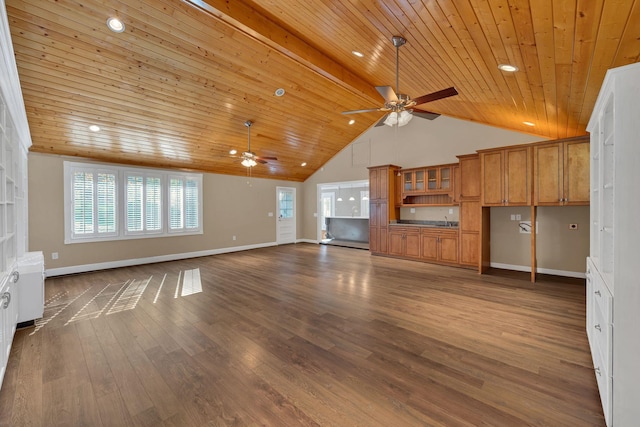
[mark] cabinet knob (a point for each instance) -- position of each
(15, 276)
(598, 293)
(598, 327)
(7, 299)
(597, 369)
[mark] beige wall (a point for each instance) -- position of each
(558, 247)
(231, 206)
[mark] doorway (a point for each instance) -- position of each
(286, 208)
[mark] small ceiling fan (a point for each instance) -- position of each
(249, 158)
(400, 107)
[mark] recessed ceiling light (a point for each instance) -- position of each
(508, 67)
(232, 152)
(352, 121)
(358, 54)
(115, 25)
(94, 128)
(303, 164)
(279, 92)
(529, 123)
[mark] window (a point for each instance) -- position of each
(94, 203)
(144, 204)
(183, 204)
(123, 203)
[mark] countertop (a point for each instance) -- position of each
(447, 225)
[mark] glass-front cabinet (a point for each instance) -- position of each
(413, 181)
(428, 180)
(439, 178)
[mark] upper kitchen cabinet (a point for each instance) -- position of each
(561, 172)
(413, 181)
(469, 184)
(506, 176)
(440, 179)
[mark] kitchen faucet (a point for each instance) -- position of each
(446, 221)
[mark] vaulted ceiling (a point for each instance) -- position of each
(175, 88)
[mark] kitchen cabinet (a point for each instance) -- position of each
(456, 184)
(439, 245)
(413, 181)
(382, 206)
(378, 220)
(561, 172)
(470, 210)
(440, 179)
(612, 274)
(470, 224)
(404, 241)
(506, 176)
(469, 176)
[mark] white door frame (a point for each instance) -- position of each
(285, 227)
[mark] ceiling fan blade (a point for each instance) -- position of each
(366, 110)
(387, 93)
(381, 121)
(260, 161)
(268, 158)
(425, 114)
(444, 93)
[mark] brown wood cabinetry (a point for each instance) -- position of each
(413, 181)
(506, 176)
(428, 186)
(470, 210)
(382, 206)
(469, 176)
(439, 245)
(561, 172)
(440, 179)
(404, 241)
(456, 184)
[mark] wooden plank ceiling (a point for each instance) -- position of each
(174, 89)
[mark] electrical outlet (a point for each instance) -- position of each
(234, 237)
(315, 214)
(518, 217)
(412, 210)
(573, 226)
(54, 255)
(271, 214)
(450, 211)
(513, 217)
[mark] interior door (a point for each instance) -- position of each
(286, 224)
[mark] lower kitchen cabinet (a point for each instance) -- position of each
(439, 245)
(404, 241)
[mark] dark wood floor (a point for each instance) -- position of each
(303, 335)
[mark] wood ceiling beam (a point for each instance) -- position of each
(249, 21)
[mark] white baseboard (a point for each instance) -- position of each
(51, 272)
(307, 241)
(564, 273)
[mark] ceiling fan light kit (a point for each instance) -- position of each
(400, 108)
(400, 119)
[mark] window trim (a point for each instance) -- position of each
(122, 173)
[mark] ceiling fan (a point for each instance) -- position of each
(400, 107)
(249, 158)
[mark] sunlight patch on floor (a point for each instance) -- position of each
(191, 283)
(128, 299)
